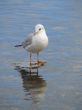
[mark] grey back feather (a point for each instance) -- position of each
(28, 41)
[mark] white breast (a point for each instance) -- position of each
(39, 42)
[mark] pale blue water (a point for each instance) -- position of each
(59, 84)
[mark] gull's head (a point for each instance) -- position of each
(39, 28)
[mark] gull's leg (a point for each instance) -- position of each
(30, 58)
(37, 62)
(37, 59)
(30, 61)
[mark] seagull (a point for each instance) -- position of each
(35, 42)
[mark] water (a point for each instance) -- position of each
(59, 84)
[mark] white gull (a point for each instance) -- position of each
(36, 41)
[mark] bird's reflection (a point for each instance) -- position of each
(34, 85)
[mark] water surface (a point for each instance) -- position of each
(59, 84)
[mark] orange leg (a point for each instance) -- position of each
(39, 63)
(38, 59)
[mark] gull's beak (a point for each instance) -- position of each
(36, 32)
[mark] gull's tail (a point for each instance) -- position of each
(18, 45)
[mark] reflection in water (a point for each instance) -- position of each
(34, 85)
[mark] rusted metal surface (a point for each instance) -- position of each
(30, 69)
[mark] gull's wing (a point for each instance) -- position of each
(28, 41)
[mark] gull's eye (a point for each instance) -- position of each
(39, 29)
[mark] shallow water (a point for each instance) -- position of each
(59, 84)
